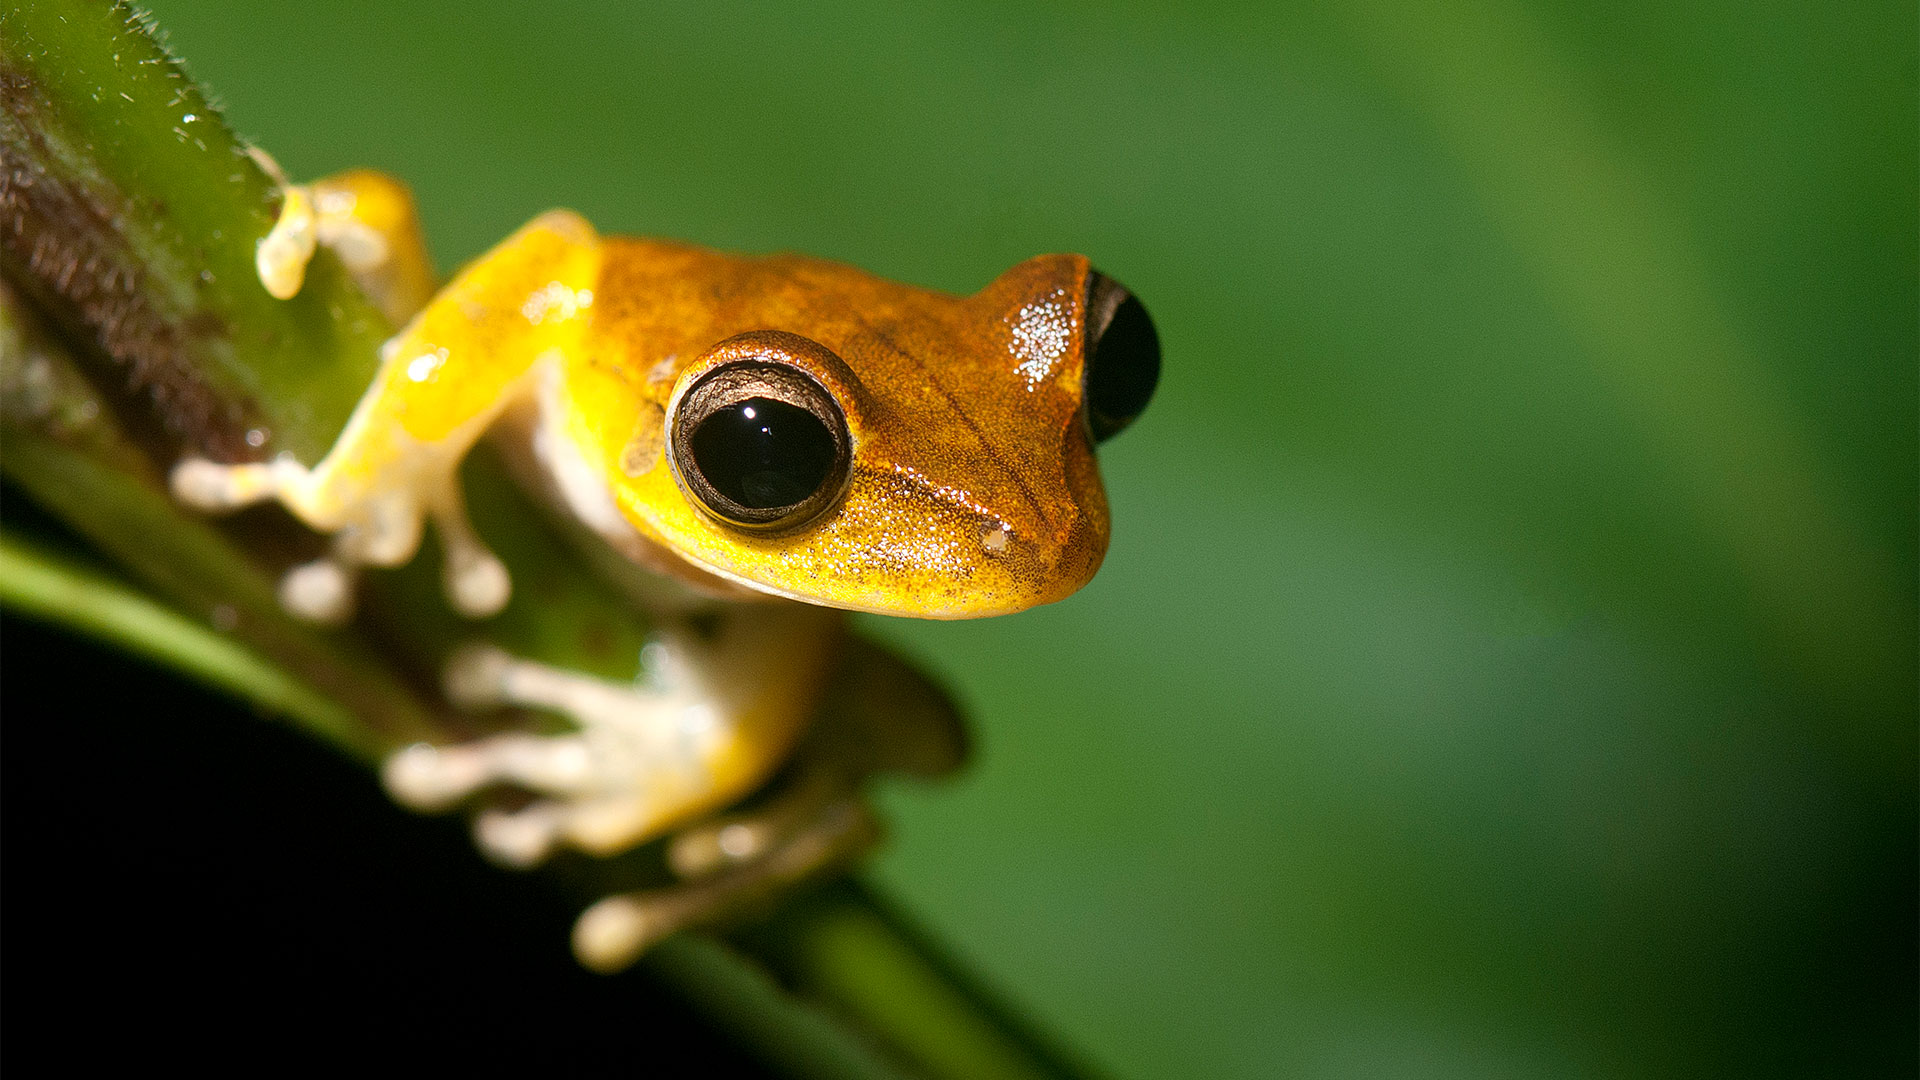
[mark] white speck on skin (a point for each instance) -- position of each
(336, 201)
(555, 301)
(1042, 332)
(943, 492)
(426, 365)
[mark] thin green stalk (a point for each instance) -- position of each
(850, 950)
(55, 588)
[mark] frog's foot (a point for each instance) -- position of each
(380, 529)
(613, 933)
(367, 219)
(643, 757)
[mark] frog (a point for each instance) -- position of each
(765, 444)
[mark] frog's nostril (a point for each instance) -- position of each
(1123, 357)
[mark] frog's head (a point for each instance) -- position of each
(863, 444)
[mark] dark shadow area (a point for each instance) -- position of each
(189, 883)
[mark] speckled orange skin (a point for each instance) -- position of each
(951, 443)
(973, 488)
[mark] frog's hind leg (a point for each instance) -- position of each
(881, 716)
(712, 847)
(604, 786)
(713, 715)
(614, 932)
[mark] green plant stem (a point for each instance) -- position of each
(54, 588)
(845, 947)
(62, 443)
(134, 212)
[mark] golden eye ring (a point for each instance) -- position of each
(760, 445)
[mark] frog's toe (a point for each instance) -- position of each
(203, 484)
(208, 485)
(430, 778)
(475, 579)
(612, 824)
(477, 583)
(714, 846)
(320, 591)
(611, 935)
(722, 843)
(526, 837)
(475, 675)
(520, 839)
(282, 257)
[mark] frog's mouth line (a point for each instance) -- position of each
(988, 609)
(816, 600)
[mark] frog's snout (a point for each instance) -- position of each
(1057, 315)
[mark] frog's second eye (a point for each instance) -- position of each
(761, 445)
(1123, 357)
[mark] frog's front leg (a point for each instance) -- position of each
(471, 354)
(713, 715)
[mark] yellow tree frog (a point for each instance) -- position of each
(786, 438)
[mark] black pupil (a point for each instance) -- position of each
(1123, 370)
(763, 453)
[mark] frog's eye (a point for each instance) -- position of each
(1123, 357)
(760, 444)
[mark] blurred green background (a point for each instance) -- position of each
(1505, 662)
